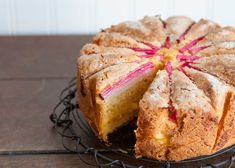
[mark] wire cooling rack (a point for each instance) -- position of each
(71, 126)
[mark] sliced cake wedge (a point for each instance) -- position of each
(218, 35)
(221, 66)
(150, 29)
(95, 49)
(114, 94)
(226, 132)
(117, 40)
(196, 33)
(219, 48)
(214, 88)
(195, 117)
(222, 97)
(177, 26)
(154, 127)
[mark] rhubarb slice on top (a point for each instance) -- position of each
(154, 127)
(221, 66)
(197, 32)
(218, 35)
(90, 64)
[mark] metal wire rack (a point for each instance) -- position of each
(71, 126)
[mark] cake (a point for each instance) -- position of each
(176, 76)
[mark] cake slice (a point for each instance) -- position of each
(195, 118)
(90, 64)
(219, 48)
(149, 29)
(218, 35)
(213, 88)
(157, 34)
(154, 127)
(176, 119)
(222, 97)
(221, 66)
(117, 40)
(177, 26)
(226, 132)
(200, 29)
(196, 33)
(114, 94)
(95, 49)
(96, 57)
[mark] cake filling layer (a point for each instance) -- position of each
(121, 104)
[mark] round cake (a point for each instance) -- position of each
(176, 76)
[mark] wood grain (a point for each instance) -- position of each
(42, 161)
(25, 109)
(39, 57)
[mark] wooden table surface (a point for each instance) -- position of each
(33, 71)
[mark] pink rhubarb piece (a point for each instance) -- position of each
(187, 58)
(190, 45)
(169, 68)
(182, 37)
(149, 52)
(147, 55)
(196, 50)
(173, 112)
(127, 78)
(167, 42)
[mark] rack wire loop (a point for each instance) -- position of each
(70, 125)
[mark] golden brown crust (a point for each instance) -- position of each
(203, 96)
(157, 34)
(216, 36)
(196, 120)
(226, 132)
(148, 29)
(222, 66)
(86, 101)
(199, 29)
(152, 137)
(117, 40)
(219, 48)
(213, 88)
(89, 49)
(177, 25)
(196, 137)
(90, 64)
(91, 104)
